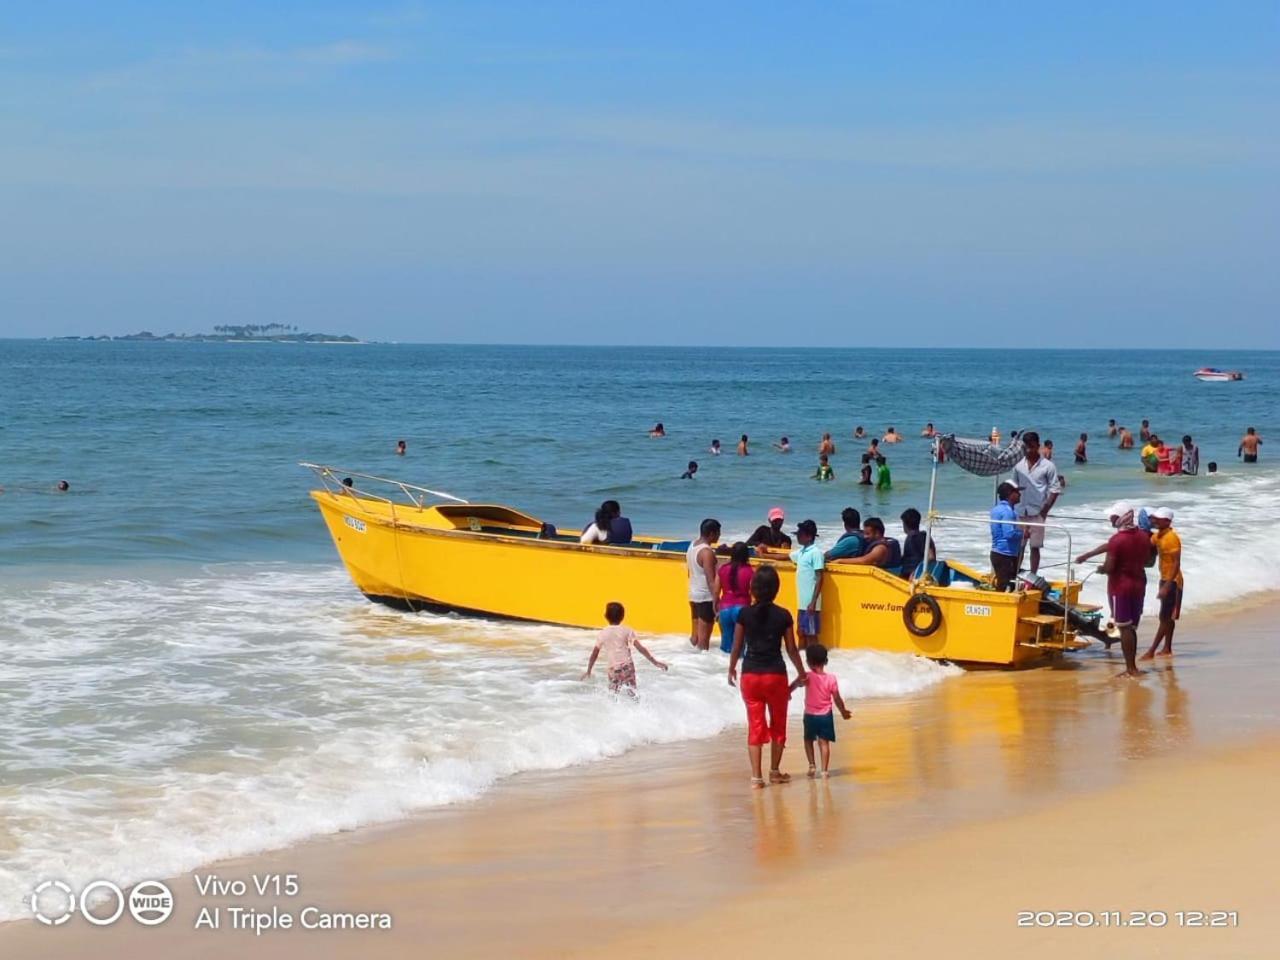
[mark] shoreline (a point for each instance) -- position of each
(675, 833)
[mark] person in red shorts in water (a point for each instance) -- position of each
(1128, 553)
(758, 638)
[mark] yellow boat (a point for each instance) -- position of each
(428, 551)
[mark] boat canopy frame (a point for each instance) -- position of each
(921, 584)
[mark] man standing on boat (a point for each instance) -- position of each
(701, 561)
(1006, 537)
(1037, 481)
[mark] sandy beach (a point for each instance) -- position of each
(1054, 789)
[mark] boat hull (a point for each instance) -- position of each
(428, 559)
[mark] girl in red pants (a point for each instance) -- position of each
(758, 638)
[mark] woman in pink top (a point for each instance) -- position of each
(734, 591)
(819, 723)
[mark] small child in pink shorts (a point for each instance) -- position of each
(617, 641)
(820, 690)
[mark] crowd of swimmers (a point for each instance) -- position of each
(1182, 458)
(874, 465)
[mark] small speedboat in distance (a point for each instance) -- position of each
(1213, 374)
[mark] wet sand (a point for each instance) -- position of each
(949, 811)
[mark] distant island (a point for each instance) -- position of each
(248, 333)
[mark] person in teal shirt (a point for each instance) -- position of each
(851, 543)
(809, 563)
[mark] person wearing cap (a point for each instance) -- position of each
(1169, 549)
(1128, 552)
(1006, 536)
(771, 535)
(1039, 486)
(809, 563)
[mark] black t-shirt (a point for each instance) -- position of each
(763, 628)
(765, 535)
(620, 530)
(912, 552)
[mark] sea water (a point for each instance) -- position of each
(189, 674)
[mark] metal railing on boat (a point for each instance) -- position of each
(933, 517)
(416, 496)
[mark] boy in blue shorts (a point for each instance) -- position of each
(809, 564)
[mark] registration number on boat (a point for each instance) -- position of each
(976, 610)
(354, 524)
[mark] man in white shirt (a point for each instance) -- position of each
(1039, 487)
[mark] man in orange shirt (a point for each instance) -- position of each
(1168, 547)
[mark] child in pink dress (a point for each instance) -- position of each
(617, 642)
(820, 690)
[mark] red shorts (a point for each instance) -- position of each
(761, 692)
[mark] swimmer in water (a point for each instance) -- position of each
(783, 445)
(401, 446)
(928, 431)
(1082, 455)
(348, 482)
(864, 479)
(1112, 429)
(1249, 445)
(742, 447)
(63, 486)
(824, 472)
(1126, 439)
(658, 430)
(827, 447)
(1213, 468)
(883, 479)
(859, 433)
(715, 448)
(892, 436)
(691, 471)
(1046, 449)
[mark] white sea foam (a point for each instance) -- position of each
(151, 726)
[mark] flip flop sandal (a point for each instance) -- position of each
(777, 776)
(757, 783)
(813, 771)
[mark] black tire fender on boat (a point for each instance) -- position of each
(909, 609)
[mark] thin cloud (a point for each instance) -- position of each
(199, 64)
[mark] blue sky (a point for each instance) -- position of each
(716, 173)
